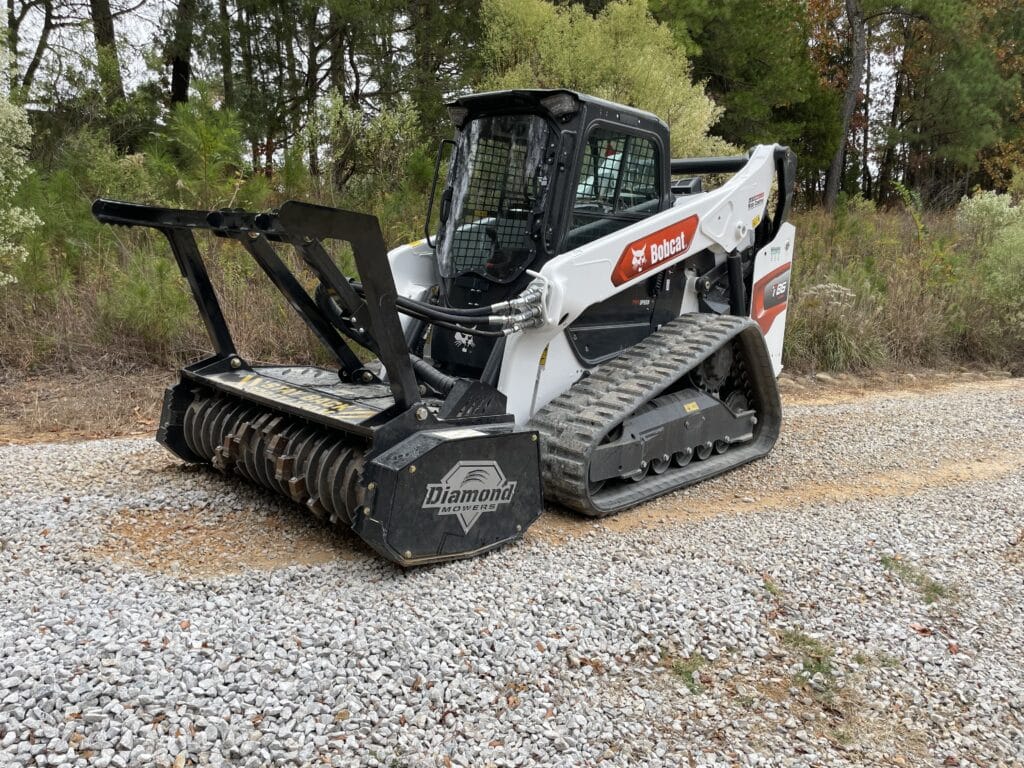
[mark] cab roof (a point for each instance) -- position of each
(556, 102)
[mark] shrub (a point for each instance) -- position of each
(834, 329)
(370, 154)
(146, 309)
(995, 315)
(981, 216)
(198, 157)
(16, 221)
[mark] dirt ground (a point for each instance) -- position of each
(81, 406)
(97, 404)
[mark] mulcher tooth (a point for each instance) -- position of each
(297, 489)
(316, 508)
(229, 448)
(283, 467)
(220, 461)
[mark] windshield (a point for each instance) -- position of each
(498, 187)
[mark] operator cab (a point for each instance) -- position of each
(532, 174)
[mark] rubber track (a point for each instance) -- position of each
(575, 422)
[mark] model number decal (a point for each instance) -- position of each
(643, 255)
(771, 297)
(777, 291)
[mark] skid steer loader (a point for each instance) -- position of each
(580, 327)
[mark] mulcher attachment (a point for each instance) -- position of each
(360, 447)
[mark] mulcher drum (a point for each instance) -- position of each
(435, 494)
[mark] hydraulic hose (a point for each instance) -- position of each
(441, 382)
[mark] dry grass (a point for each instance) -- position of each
(84, 405)
(132, 310)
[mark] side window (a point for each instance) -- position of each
(618, 185)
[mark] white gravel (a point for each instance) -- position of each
(798, 636)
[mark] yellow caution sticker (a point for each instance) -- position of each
(544, 357)
(301, 398)
(691, 406)
(756, 220)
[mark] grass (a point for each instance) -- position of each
(814, 655)
(872, 289)
(686, 669)
(772, 587)
(880, 659)
(931, 589)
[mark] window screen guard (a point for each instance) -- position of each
(499, 184)
(617, 185)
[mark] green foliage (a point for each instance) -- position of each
(1016, 188)
(371, 154)
(145, 306)
(622, 54)
(197, 158)
(996, 320)
(960, 112)
(984, 215)
(16, 221)
(912, 203)
(379, 165)
(754, 57)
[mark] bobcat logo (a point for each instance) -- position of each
(639, 257)
(464, 341)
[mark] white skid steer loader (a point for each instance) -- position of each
(581, 327)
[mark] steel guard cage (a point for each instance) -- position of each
(304, 227)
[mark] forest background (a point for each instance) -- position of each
(907, 117)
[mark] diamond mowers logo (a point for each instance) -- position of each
(468, 490)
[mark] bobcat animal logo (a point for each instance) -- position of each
(464, 341)
(639, 257)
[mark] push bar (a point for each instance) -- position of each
(302, 226)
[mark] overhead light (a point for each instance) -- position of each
(560, 104)
(458, 115)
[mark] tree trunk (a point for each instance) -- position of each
(887, 167)
(181, 50)
(858, 51)
(41, 46)
(337, 33)
(249, 82)
(425, 91)
(106, 46)
(12, 45)
(224, 51)
(311, 85)
(865, 166)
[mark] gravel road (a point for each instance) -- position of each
(857, 598)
